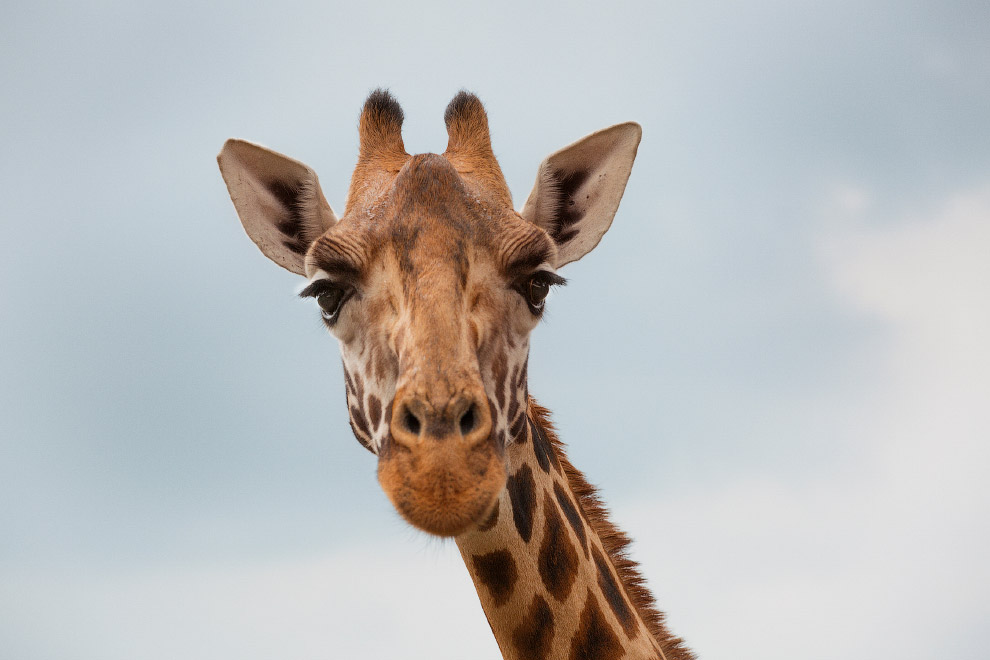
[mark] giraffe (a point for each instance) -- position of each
(432, 284)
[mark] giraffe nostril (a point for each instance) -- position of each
(468, 420)
(411, 422)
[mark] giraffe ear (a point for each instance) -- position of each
(278, 200)
(578, 189)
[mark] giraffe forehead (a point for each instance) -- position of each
(433, 221)
(435, 215)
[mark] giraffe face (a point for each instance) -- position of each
(432, 297)
(432, 284)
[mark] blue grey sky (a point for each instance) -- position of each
(775, 363)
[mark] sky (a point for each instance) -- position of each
(774, 365)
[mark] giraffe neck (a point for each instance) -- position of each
(551, 571)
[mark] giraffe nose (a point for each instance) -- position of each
(464, 417)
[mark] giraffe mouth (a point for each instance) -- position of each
(444, 488)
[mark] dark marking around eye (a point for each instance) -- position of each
(337, 267)
(521, 488)
(534, 636)
(558, 561)
(532, 257)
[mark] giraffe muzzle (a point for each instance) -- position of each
(443, 470)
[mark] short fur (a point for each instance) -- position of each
(615, 541)
(428, 281)
(469, 146)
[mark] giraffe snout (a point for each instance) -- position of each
(464, 417)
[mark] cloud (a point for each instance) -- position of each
(365, 602)
(883, 556)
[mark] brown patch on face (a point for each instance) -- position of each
(614, 595)
(388, 415)
(534, 636)
(363, 439)
(572, 515)
(558, 561)
(521, 381)
(375, 411)
(497, 571)
(492, 410)
(358, 387)
(594, 639)
(513, 408)
(349, 382)
(360, 422)
(499, 367)
(522, 493)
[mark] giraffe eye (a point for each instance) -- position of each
(330, 303)
(329, 296)
(536, 288)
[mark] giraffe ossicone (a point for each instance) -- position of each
(432, 283)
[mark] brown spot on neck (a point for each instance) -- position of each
(571, 513)
(497, 571)
(594, 639)
(615, 596)
(522, 493)
(533, 637)
(558, 561)
(614, 542)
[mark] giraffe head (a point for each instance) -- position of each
(432, 283)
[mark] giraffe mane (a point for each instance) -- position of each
(615, 542)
